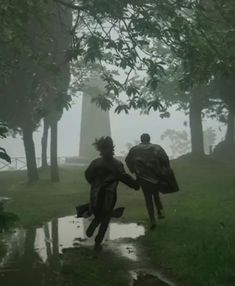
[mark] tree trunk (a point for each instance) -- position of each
(30, 154)
(47, 240)
(195, 117)
(229, 138)
(54, 163)
(44, 143)
(55, 237)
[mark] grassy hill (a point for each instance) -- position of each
(195, 242)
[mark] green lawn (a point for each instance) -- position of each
(195, 243)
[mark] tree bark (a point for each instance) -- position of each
(195, 117)
(30, 154)
(229, 138)
(54, 163)
(44, 143)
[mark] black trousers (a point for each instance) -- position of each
(103, 223)
(151, 195)
(102, 218)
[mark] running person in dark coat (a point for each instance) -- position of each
(104, 174)
(148, 161)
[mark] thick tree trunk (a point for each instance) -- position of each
(54, 163)
(30, 154)
(195, 117)
(229, 138)
(44, 143)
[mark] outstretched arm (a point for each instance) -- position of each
(127, 179)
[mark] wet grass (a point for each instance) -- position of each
(81, 267)
(37, 203)
(195, 243)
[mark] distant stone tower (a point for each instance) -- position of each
(95, 122)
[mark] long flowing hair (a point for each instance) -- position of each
(104, 145)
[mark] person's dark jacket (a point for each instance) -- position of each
(104, 176)
(150, 163)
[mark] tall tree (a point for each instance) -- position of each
(40, 44)
(55, 86)
(21, 62)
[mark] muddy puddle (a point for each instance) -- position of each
(38, 256)
(69, 232)
(28, 253)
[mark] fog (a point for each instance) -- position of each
(125, 128)
(117, 142)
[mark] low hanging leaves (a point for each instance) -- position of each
(121, 108)
(155, 105)
(3, 153)
(4, 156)
(103, 102)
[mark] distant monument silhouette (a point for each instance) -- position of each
(95, 122)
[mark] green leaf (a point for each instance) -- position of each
(132, 90)
(121, 108)
(103, 102)
(4, 155)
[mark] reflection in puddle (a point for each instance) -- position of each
(71, 233)
(13, 243)
(39, 256)
(35, 256)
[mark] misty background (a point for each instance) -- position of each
(125, 128)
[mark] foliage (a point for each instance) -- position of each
(3, 153)
(37, 75)
(35, 45)
(121, 34)
(206, 50)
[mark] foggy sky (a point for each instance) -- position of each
(124, 128)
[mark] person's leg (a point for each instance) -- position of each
(158, 204)
(92, 227)
(147, 191)
(102, 230)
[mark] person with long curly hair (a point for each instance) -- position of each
(104, 174)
